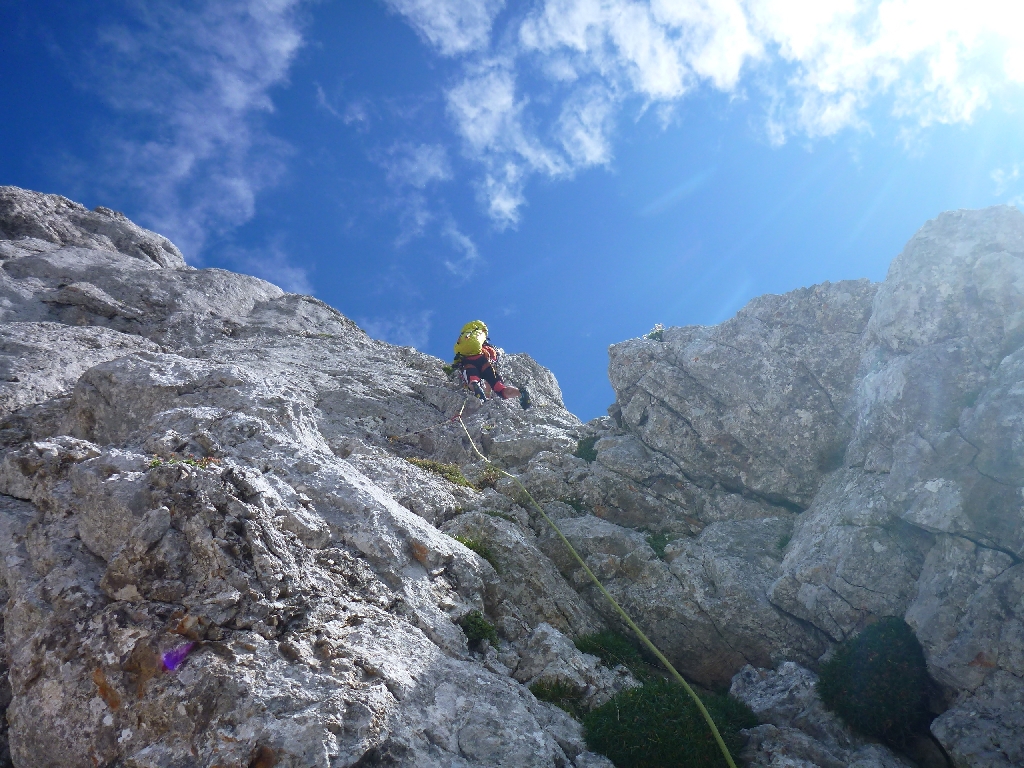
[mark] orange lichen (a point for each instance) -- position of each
(105, 690)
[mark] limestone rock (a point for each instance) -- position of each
(548, 656)
(756, 404)
(176, 477)
(986, 729)
(887, 416)
(55, 219)
(525, 590)
(195, 462)
(798, 732)
(848, 559)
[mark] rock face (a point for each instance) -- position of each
(887, 421)
(196, 462)
(214, 551)
(797, 729)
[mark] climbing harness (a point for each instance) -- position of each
(597, 582)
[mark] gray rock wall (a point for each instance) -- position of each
(890, 418)
(195, 461)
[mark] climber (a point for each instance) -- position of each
(475, 357)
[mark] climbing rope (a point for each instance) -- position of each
(597, 582)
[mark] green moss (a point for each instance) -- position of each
(783, 541)
(659, 726)
(658, 542)
(448, 370)
(657, 333)
(877, 682)
(614, 649)
(481, 548)
(478, 628)
(562, 694)
(585, 449)
(449, 472)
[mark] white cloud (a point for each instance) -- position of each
(273, 265)
(324, 103)
(488, 115)
(1005, 179)
(402, 329)
(936, 61)
(819, 66)
(584, 127)
(410, 169)
(196, 78)
(416, 165)
(413, 218)
(467, 261)
(452, 26)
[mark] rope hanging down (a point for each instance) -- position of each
(597, 582)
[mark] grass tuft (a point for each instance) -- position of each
(658, 542)
(478, 628)
(659, 726)
(614, 649)
(204, 462)
(877, 682)
(576, 503)
(481, 548)
(449, 472)
(585, 449)
(489, 477)
(562, 694)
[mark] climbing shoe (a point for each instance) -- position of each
(478, 391)
(524, 398)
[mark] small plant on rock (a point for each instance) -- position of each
(657, 333)
(576, 503)
(489, 477)
(585, 449)
(449, 472)
(478, 628)
(877, 682)
(562, 694)
(658, 542)
(481, 548)
(204, 462)
(659, 726)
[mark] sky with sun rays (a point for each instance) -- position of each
(570, 171)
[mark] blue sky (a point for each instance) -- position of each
(570, 171)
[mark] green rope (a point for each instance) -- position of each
(625, 616)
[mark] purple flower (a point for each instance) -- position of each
(174, 657)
